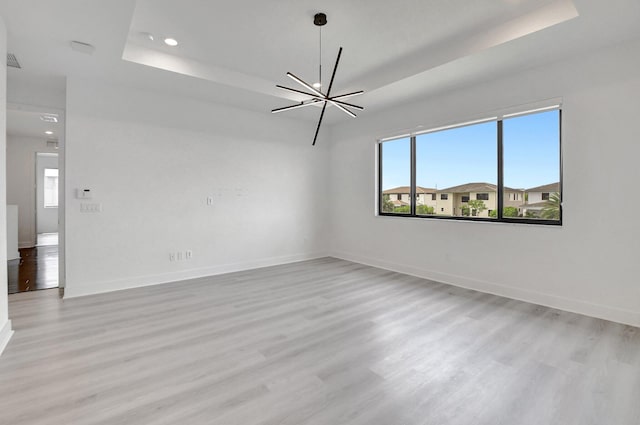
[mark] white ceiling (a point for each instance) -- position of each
(234, 52)
(28, 123)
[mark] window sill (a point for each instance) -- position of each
(546, 223)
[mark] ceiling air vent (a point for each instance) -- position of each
(12, 61)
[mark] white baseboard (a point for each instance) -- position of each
(5, 335)
(614, 314)
(73, 290)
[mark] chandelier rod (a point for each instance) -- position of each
(320, 61)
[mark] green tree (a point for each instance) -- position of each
(551, 211)
(405, 209)
(387, 205)
(506, 212)
(476, 206)
(425, 210)
(510, 212)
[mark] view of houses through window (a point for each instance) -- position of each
(456, 170)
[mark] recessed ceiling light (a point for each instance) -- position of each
(48, 132)
(171, 42)
(317, 85)
(147, 35)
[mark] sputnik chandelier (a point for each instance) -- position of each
(315, 93)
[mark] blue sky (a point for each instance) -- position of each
(468, 154)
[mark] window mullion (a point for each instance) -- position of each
(500, 189)
(380, 194)
(413, 191)
(561, 194)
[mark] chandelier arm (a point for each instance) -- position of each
(304, 84)
(297, 105)
(324, 107)
(343, 109)
(323, 98)
(344, 96)
(333, 75)
(302, 92)
(351, 105)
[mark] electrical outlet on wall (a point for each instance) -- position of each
(172, 256)
(188, 254)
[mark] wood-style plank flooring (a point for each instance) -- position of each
(322, 342)
(37, 268)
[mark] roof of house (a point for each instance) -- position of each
(551, 187)
(407, 190)
(398, 203)
(471, 187)
(476, 187)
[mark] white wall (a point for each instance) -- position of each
(44, 93)
(5, 323)
(591, 262)
(21, 179)
(46, 218)
(152, 160)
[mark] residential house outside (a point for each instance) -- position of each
(538, 197)
(401, 196)
(454, 201)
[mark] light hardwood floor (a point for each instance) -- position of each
(318, 342)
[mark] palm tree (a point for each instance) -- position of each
(552, 210)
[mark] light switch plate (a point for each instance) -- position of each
(90, 208)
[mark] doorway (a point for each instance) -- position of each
(46, 198)
(35, 195)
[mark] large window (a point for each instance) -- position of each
(50, 187)
(451, 161)
(505, 169)
(396, 177)
(531, 159)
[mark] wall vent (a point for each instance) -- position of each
(12, 61)
(52, 144)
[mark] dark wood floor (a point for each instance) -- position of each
(37, 268)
